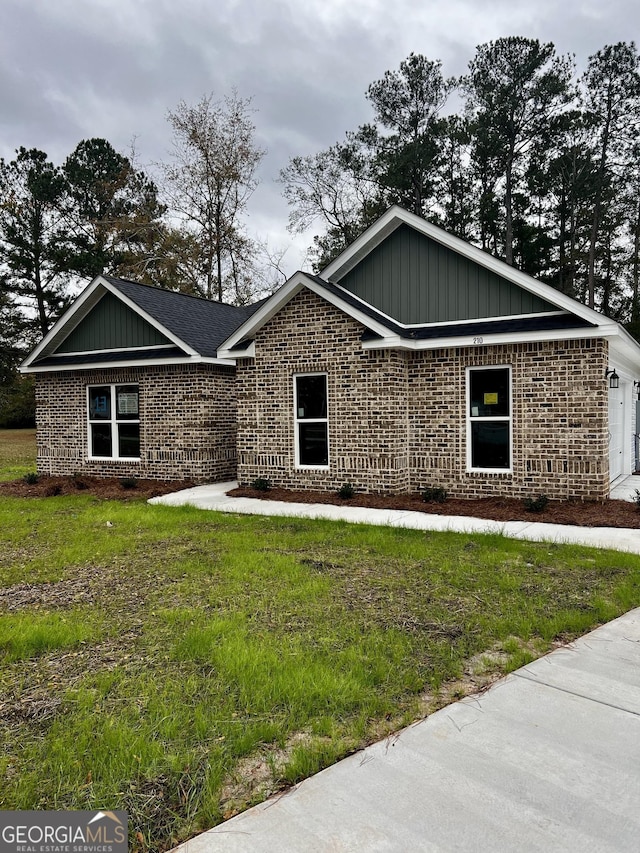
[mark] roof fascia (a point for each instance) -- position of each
(625, 347)
(111, 365)
(396, 342)
(110, 350)
(249, 352)
(280, 298)
(396, 216)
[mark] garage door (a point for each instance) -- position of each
(616, 432)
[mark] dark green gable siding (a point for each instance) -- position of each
(111, 325)
(416, 280)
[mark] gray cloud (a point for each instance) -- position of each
(75, 68)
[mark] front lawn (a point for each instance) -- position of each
(17, 453)
(181, 664)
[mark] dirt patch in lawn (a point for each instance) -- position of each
(106, 488)
(607, 513)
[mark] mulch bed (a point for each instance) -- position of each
(608, 513)
(107, 488)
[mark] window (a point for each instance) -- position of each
(489, 419)
(311, 422)
(114, 422)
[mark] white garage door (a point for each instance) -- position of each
(616, 432)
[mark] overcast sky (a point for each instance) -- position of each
(74, 69)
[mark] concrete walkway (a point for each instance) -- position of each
(625, 488)
(214, 497)
(546, 760)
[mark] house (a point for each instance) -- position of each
(413, 360)
(129, 384)
(416, 359)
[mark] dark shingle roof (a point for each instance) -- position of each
(364, 307)
(200, 323)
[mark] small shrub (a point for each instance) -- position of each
(636, 499)
(436, 495)
(128, 483)
(538, 504)
(31, 478)
(346, 491)
(261, 484)
(78, 482)
(53, 490)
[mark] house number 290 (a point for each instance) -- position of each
(478, 340)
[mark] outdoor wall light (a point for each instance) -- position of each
(614, 379)
(636, 385)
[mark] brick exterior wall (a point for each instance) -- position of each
(559, 414)
(397, 419)
(187, 422)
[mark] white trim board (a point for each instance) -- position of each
(149, 362)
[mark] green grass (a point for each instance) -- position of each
(17, 453)
(181, 664)
(27, 635)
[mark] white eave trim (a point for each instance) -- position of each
(114, 365)
(248, 352)
(492, 339)
(81, 308)
(110, 350)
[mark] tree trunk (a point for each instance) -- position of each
(37, 225)
(219, 248)
(595, 224)
(635, 307)
(508, 211)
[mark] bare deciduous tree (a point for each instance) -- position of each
(207, 185)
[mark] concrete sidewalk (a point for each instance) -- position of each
(546, 760)
(214, 497)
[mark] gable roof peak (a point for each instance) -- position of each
(396, 216)
(196, 326)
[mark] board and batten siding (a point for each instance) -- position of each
(416, 280)
(111, 325)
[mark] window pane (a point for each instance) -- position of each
(129, 440)
(311, 397)
(100, 404)
(101, 440)
(127, 402)
(490, 393)
(314, 447)
(489, 444)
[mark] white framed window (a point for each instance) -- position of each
(489, 419)
(311, 420)
(113, 413)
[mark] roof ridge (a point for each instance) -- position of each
(158, 288)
